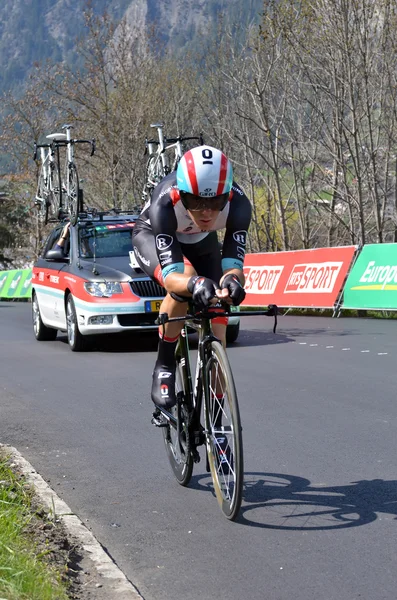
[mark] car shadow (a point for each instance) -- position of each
(292, 503)
(119, 343)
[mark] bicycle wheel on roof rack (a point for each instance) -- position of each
(73, 194)
(42, 198)
(154, 172)
(54, 192)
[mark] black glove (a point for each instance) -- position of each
(236, 290)
(202, 290)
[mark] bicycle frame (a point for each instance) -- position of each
(194, 389)
(160, 150)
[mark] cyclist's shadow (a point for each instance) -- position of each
(288, 502)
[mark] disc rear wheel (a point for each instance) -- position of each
(178, 447)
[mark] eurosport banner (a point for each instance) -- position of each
(301, 278)
(372, 282)
(16, 283)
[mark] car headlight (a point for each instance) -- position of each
(103, 289)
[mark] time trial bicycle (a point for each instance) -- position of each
(164, 156)
(207, 410)
(56, 193)
(49, 184)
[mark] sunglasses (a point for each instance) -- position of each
(197, 203)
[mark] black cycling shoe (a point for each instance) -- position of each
(163, 386)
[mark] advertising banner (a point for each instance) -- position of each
(372, 282)
(16, 283)
(302, 278)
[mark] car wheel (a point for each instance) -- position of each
(232, 332)
(42, 333)
(76, 340)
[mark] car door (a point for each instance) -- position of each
(48, 285)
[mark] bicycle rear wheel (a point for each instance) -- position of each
(178, 447)
(223, 432)
(73, 194)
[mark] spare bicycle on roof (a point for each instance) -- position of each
(164, 156)
(58, 190)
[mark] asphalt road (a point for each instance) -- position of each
(319, 411)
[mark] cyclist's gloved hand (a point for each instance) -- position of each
(202, 290)
(236, 291)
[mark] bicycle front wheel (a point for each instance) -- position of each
(223, 432)
(178, 446)
(73, 195)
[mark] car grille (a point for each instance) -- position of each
(147, 289)
(140, 319)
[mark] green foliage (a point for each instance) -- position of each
(23, 574)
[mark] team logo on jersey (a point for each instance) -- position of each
(163, 241)
(240, 237)
(165, 257)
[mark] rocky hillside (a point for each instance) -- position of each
(36, 30)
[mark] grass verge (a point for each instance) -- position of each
(25, 569)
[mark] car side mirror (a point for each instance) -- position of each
(56, 254)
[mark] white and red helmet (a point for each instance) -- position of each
(204, 171)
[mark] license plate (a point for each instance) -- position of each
(152, 305)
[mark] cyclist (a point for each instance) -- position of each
(176, 244)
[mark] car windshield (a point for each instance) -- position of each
(105, 240)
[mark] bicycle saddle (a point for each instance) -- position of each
(56, 136)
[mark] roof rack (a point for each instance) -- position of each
(95, 214)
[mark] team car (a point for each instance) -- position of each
(94, 285)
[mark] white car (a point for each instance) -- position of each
(95, 285)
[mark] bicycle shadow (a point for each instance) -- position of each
(250, 338)
(292, 503)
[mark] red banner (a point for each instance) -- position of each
(302, 278)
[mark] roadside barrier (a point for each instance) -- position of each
(299, 279)
(16, 283)
(345, 277)
(372, 282)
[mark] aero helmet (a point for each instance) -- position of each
(204, 171)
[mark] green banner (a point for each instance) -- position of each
(16, 284)
(372, 283)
